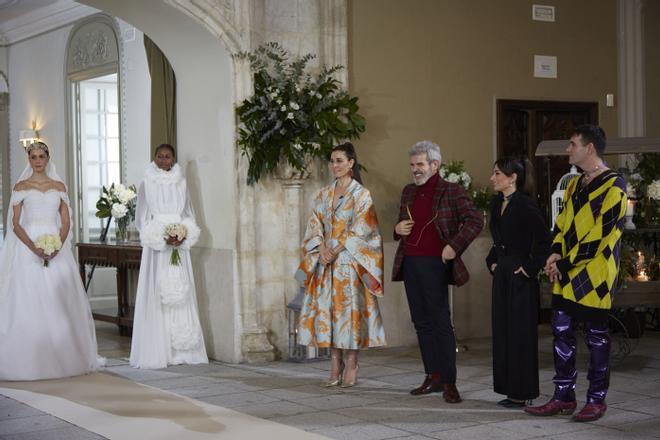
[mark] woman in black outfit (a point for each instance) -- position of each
(521, 244)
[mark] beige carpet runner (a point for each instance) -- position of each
(118, 408)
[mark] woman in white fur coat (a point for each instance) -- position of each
(166, 326)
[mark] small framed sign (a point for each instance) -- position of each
(543, 13)
(545, 66)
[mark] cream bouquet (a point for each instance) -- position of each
(49, 243)
(175, 232)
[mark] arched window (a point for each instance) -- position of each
(95, 141)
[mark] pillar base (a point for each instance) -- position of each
(256, 347)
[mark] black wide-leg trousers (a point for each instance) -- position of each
(426, 281)
(515, 314)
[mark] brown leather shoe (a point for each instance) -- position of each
(590, 412)
(553, 407)
(451, 394)
(427, 387)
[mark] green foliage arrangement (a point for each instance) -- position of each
(293, 114)
(482, 198)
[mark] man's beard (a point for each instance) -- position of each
(422, 178)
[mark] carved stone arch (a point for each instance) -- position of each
(223, 18)
(227, 20)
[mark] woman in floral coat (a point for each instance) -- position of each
(342, 271)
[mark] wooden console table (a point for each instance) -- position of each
(123, 257)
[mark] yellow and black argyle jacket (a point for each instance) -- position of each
(587, 234)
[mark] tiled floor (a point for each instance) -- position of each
(380, 406)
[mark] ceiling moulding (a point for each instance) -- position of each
(42, 20)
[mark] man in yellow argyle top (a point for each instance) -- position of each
(583, 268)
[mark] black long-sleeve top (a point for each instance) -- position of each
(520, 232)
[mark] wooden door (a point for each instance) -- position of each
(521, 125)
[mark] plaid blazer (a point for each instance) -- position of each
(458, 222)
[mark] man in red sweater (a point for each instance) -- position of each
(437, 222)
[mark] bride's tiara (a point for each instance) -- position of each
(38, 145)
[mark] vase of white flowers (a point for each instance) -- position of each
(118, 202)
(293, 115)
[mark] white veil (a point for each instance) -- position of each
(9, 248)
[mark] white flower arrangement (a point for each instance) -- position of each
(454, 172)
(117, 201)
(49, 243)
(654, 190)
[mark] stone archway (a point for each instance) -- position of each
(245, 289)
(209, 83)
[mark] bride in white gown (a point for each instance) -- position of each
(166, 327)
(46, 326)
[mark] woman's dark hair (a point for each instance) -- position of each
(349, 151)
(166, 146)
(522, 167)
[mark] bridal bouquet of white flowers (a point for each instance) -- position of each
(177, 232)
(49, 243)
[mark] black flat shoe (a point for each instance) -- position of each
(508, 403)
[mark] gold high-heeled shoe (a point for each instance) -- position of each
(351, 384)
(335, 382)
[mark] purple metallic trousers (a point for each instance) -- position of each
(598, 341)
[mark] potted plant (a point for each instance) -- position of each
(294, 115)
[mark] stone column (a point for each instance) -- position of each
(631, 68)
(255, 345)
(334, 37)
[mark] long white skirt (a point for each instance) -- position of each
(47, 329)
(166, 326)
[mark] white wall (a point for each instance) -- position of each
(36, 90)
(136, 120)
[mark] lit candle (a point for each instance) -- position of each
(630, 209)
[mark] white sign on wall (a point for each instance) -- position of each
(543, 13)
(545, 66)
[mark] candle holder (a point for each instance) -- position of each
(630, 212)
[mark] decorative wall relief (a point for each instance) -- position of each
(93, 47)
(90, 50)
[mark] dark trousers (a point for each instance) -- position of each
(425, 279)
(565, 349)
(515, 332)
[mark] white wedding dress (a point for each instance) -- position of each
(46, 326)
(166, 326)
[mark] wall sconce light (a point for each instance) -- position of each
(26, 137)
